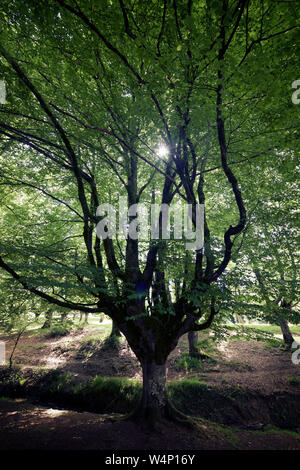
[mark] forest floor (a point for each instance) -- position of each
(246, 362)
(27, 426)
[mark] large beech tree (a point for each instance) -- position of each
(94, 88)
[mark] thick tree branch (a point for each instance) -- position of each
(232, 230)
(43, 295)
(110, 46)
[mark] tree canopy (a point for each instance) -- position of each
(158, 102)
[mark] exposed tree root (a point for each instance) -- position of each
(155, 419)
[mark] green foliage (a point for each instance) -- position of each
(274, 329)
(100, 394)
(188, 363)
(93, 89)
(111, 342)
(294, 380)
(93, 345)
(248, 333)
(58, 331)
(88, 348)
(105, 395)
(51, 384)
(11, 382)
(208, 354)
(208, 344)
(265, 279)
(271, 429)
(175, 67)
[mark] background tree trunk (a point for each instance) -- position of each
(48, 319)
(18, 337)
(193, 340)
(115, 330)
(63, 318)
(101, 317)
(239, 319)
(286, 333)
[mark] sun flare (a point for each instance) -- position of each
(162, 150)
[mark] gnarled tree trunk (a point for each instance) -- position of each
(155, 406)
(154, 398)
